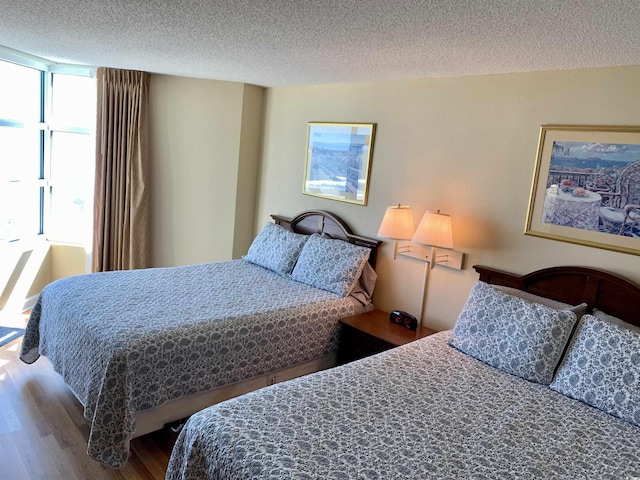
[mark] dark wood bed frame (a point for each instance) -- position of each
(322, 222)
(605, 291)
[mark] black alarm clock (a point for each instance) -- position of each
(404, 319)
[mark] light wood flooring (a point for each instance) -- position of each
(43, 434)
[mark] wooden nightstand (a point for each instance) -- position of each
(372, 332)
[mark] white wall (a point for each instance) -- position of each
(203, 148)
(466, 146)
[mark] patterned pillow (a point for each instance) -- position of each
(602, 368)
(328, 264)
(512, 334)
(579, 310)
(276, 249)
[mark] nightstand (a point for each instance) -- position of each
(372, 332)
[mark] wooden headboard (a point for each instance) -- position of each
(605, 291)
(319, 221)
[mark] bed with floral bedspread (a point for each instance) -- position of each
(423, 411)
(155, 345)
(130, 341)
(523, 387)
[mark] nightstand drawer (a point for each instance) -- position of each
(355, 344)
(372, 332)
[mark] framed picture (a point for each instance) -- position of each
(586, 187)
(338, 161)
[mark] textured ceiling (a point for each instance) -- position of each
(275, 43)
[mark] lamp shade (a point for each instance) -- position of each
(397, 223)
(434, 230)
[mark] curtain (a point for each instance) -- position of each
(121, 219)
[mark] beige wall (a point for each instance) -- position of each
(43, 277)
(22, 265)
(204, 149)
(466, 146)
(248, 168)
(29, 267)
(61, 261)
(68, 260)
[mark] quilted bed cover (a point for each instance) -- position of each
(129, 341)
(422, 411)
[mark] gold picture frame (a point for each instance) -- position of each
(586, 187)
(338, 161)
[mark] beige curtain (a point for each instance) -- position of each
(121, 222)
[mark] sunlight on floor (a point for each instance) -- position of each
(12, 320)
(10, 352)
(13, 347)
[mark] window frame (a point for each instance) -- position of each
(45, 126)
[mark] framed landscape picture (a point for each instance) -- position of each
(586, 187)
(338, 161)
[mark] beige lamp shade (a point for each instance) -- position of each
(397, 223)
(434, 230)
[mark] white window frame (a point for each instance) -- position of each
(49, 68)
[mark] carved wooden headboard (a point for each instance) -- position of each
(322, 222)
(605, 291)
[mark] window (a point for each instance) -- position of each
(47, 151)
(72, 158)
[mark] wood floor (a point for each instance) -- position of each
(43, 434)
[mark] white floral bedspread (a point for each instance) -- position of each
(130, 341)
(422, 411)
